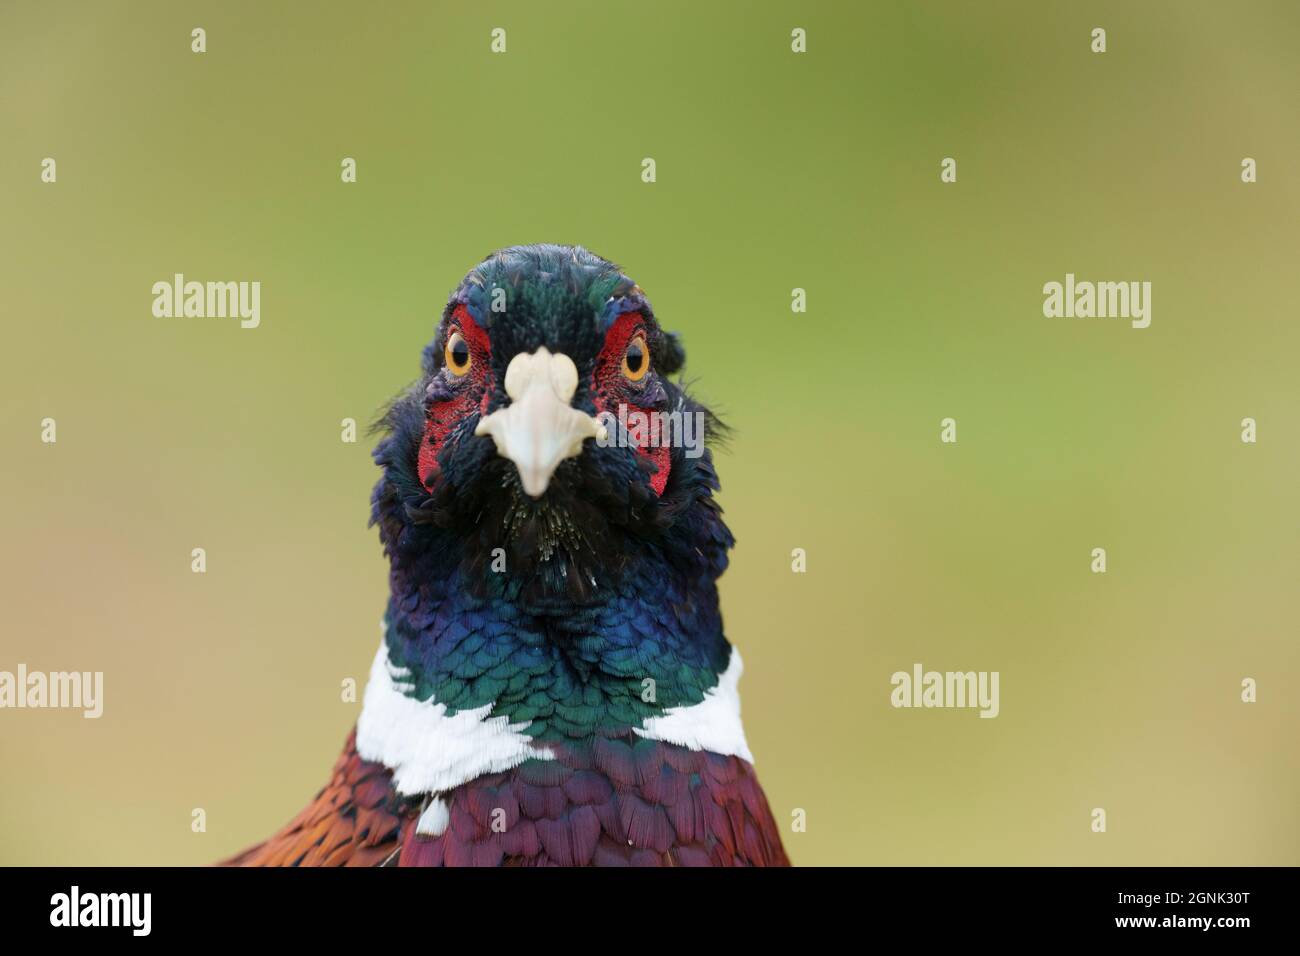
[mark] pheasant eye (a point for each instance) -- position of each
(636, 360)
(457, 355)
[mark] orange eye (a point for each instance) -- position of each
(457, 355)
(636, 360)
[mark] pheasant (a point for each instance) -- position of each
(553, 685)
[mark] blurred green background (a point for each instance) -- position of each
(775, 171)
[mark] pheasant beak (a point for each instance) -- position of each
(540, 428)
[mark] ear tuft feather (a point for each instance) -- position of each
(671, 356)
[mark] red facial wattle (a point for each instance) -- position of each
(468, 395)
(610, 389)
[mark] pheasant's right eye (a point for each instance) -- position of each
(636, 360)
(457, 355)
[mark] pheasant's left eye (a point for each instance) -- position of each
(457, 354)
(636, 360)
